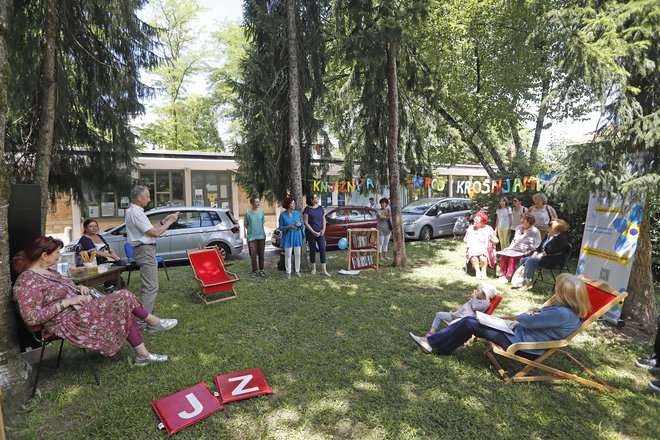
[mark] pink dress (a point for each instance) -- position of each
(478, 243)
(101, 325)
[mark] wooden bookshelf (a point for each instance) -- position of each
(363, 249)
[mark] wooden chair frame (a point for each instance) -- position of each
(219, 287)
(554, 346)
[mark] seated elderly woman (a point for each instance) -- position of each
(92, 241)
(553, 322)
(526, 239)
(550, 253)
(103, 324)
(481, 240)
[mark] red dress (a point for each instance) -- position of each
(101, 325)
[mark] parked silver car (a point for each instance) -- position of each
(424, 219)
(196, 227)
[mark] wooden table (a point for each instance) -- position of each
(112, 274)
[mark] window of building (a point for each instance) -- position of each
(166, 187)
(211, 188)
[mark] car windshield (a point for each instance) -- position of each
(419, 207)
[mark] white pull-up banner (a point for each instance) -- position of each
(609, 242)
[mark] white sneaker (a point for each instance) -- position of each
(141, 362)
(165, 324)
(422, 343)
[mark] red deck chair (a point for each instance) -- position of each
(211, 274)
(602, 298)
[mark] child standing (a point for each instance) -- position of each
(503, 222)
(479, 302)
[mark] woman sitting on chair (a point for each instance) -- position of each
(553, 322)
(481, 240)
(550, 253)
(46, 297)
(92, 241)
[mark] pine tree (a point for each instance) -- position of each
(264, 153)
(99, 49)
(12, 367)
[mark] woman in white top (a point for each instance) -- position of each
(525, 241)
(503, 222)
(481, 240)
(543, 213)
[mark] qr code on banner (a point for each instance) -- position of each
(604, 274)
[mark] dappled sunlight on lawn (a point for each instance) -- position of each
(337, 354)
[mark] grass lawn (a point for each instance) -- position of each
(337, 354)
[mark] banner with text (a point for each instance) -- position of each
(609, 242)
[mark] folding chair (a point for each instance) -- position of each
(211, 275)
(561, 267)
(40, 335)
(133, 265)
(602, 298)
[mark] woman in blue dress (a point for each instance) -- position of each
(291, 224)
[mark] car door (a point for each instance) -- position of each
(444, 217)
(335, 228)
(188, 233)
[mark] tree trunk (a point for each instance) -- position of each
(294, 102)
(14, 371)
(543, 108)
(516, 147)
(48, 92)
(639, 307)
(393, 158)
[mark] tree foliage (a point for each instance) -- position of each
(184, 121)
(263, 154)
(100, 49)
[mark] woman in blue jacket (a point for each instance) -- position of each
(291, 224)
(553, 322)
(551, 253)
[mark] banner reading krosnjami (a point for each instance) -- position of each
(609, 242)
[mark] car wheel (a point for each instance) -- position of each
(224, 249)
(426, 233)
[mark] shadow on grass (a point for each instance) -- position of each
(337, 355)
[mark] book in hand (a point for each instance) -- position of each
(503, 325)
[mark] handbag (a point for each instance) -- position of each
(518, 277)
(389, 224)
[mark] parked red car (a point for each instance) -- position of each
(338, 220)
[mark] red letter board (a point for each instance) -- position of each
(186, 407)
(241, 385)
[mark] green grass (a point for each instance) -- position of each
(337, 354)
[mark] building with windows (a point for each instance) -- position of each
(187, 178)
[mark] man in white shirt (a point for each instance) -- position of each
(372, 203)
(142, 236)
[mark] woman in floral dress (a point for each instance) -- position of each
(103, 324)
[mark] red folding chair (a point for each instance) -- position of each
(602, 298)
(211, 275)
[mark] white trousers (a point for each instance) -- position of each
(287, 258)
(384, 241)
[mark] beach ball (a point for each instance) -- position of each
(343, 244)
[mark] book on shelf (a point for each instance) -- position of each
(359, 262)
(362, 241)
